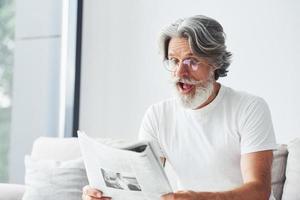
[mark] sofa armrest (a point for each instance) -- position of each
(11, 191)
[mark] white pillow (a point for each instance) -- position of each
(291, 189)
(49, 179)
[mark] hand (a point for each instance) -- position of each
(180, 195)
(89, 193)
(187, 195)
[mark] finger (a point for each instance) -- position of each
(86, 197)
(85, 188)
(92, 192)
(168, 196)
(105, 198)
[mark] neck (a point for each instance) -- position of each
(214, 94)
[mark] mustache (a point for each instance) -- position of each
(186, 80)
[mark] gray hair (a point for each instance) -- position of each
(206, 39)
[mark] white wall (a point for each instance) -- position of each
(122, 74)
(35, 79)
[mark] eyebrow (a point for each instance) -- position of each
(189, 54)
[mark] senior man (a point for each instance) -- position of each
(218, 140)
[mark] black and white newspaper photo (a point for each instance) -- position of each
(120, 181)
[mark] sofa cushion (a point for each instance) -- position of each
(291, 190)
(11, 191)
(50, 179)
(61, 149)
(58, 149)
(278, 170)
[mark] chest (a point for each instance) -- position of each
(213, 140)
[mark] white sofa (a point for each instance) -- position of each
(285, 174)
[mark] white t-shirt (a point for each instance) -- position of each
(204, 146)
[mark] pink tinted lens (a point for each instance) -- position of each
(190, 64)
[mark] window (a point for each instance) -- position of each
(7, 24)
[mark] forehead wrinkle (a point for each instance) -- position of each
(179, 47)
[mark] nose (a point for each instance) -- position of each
(181, 70)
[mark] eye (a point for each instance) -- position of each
(193, 61)
(190, 61)
(172, 61)
(171, 64)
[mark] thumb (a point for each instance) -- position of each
(168, 196)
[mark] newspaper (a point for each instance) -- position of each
(125, 173)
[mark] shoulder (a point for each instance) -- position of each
(249, 111)
(243, 100)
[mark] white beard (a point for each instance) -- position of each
(202, 93)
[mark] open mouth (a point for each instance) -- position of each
(185, 88)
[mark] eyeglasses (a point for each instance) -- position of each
(190, 64)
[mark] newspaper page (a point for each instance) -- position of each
(132, 172)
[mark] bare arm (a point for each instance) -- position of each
(256, 171)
